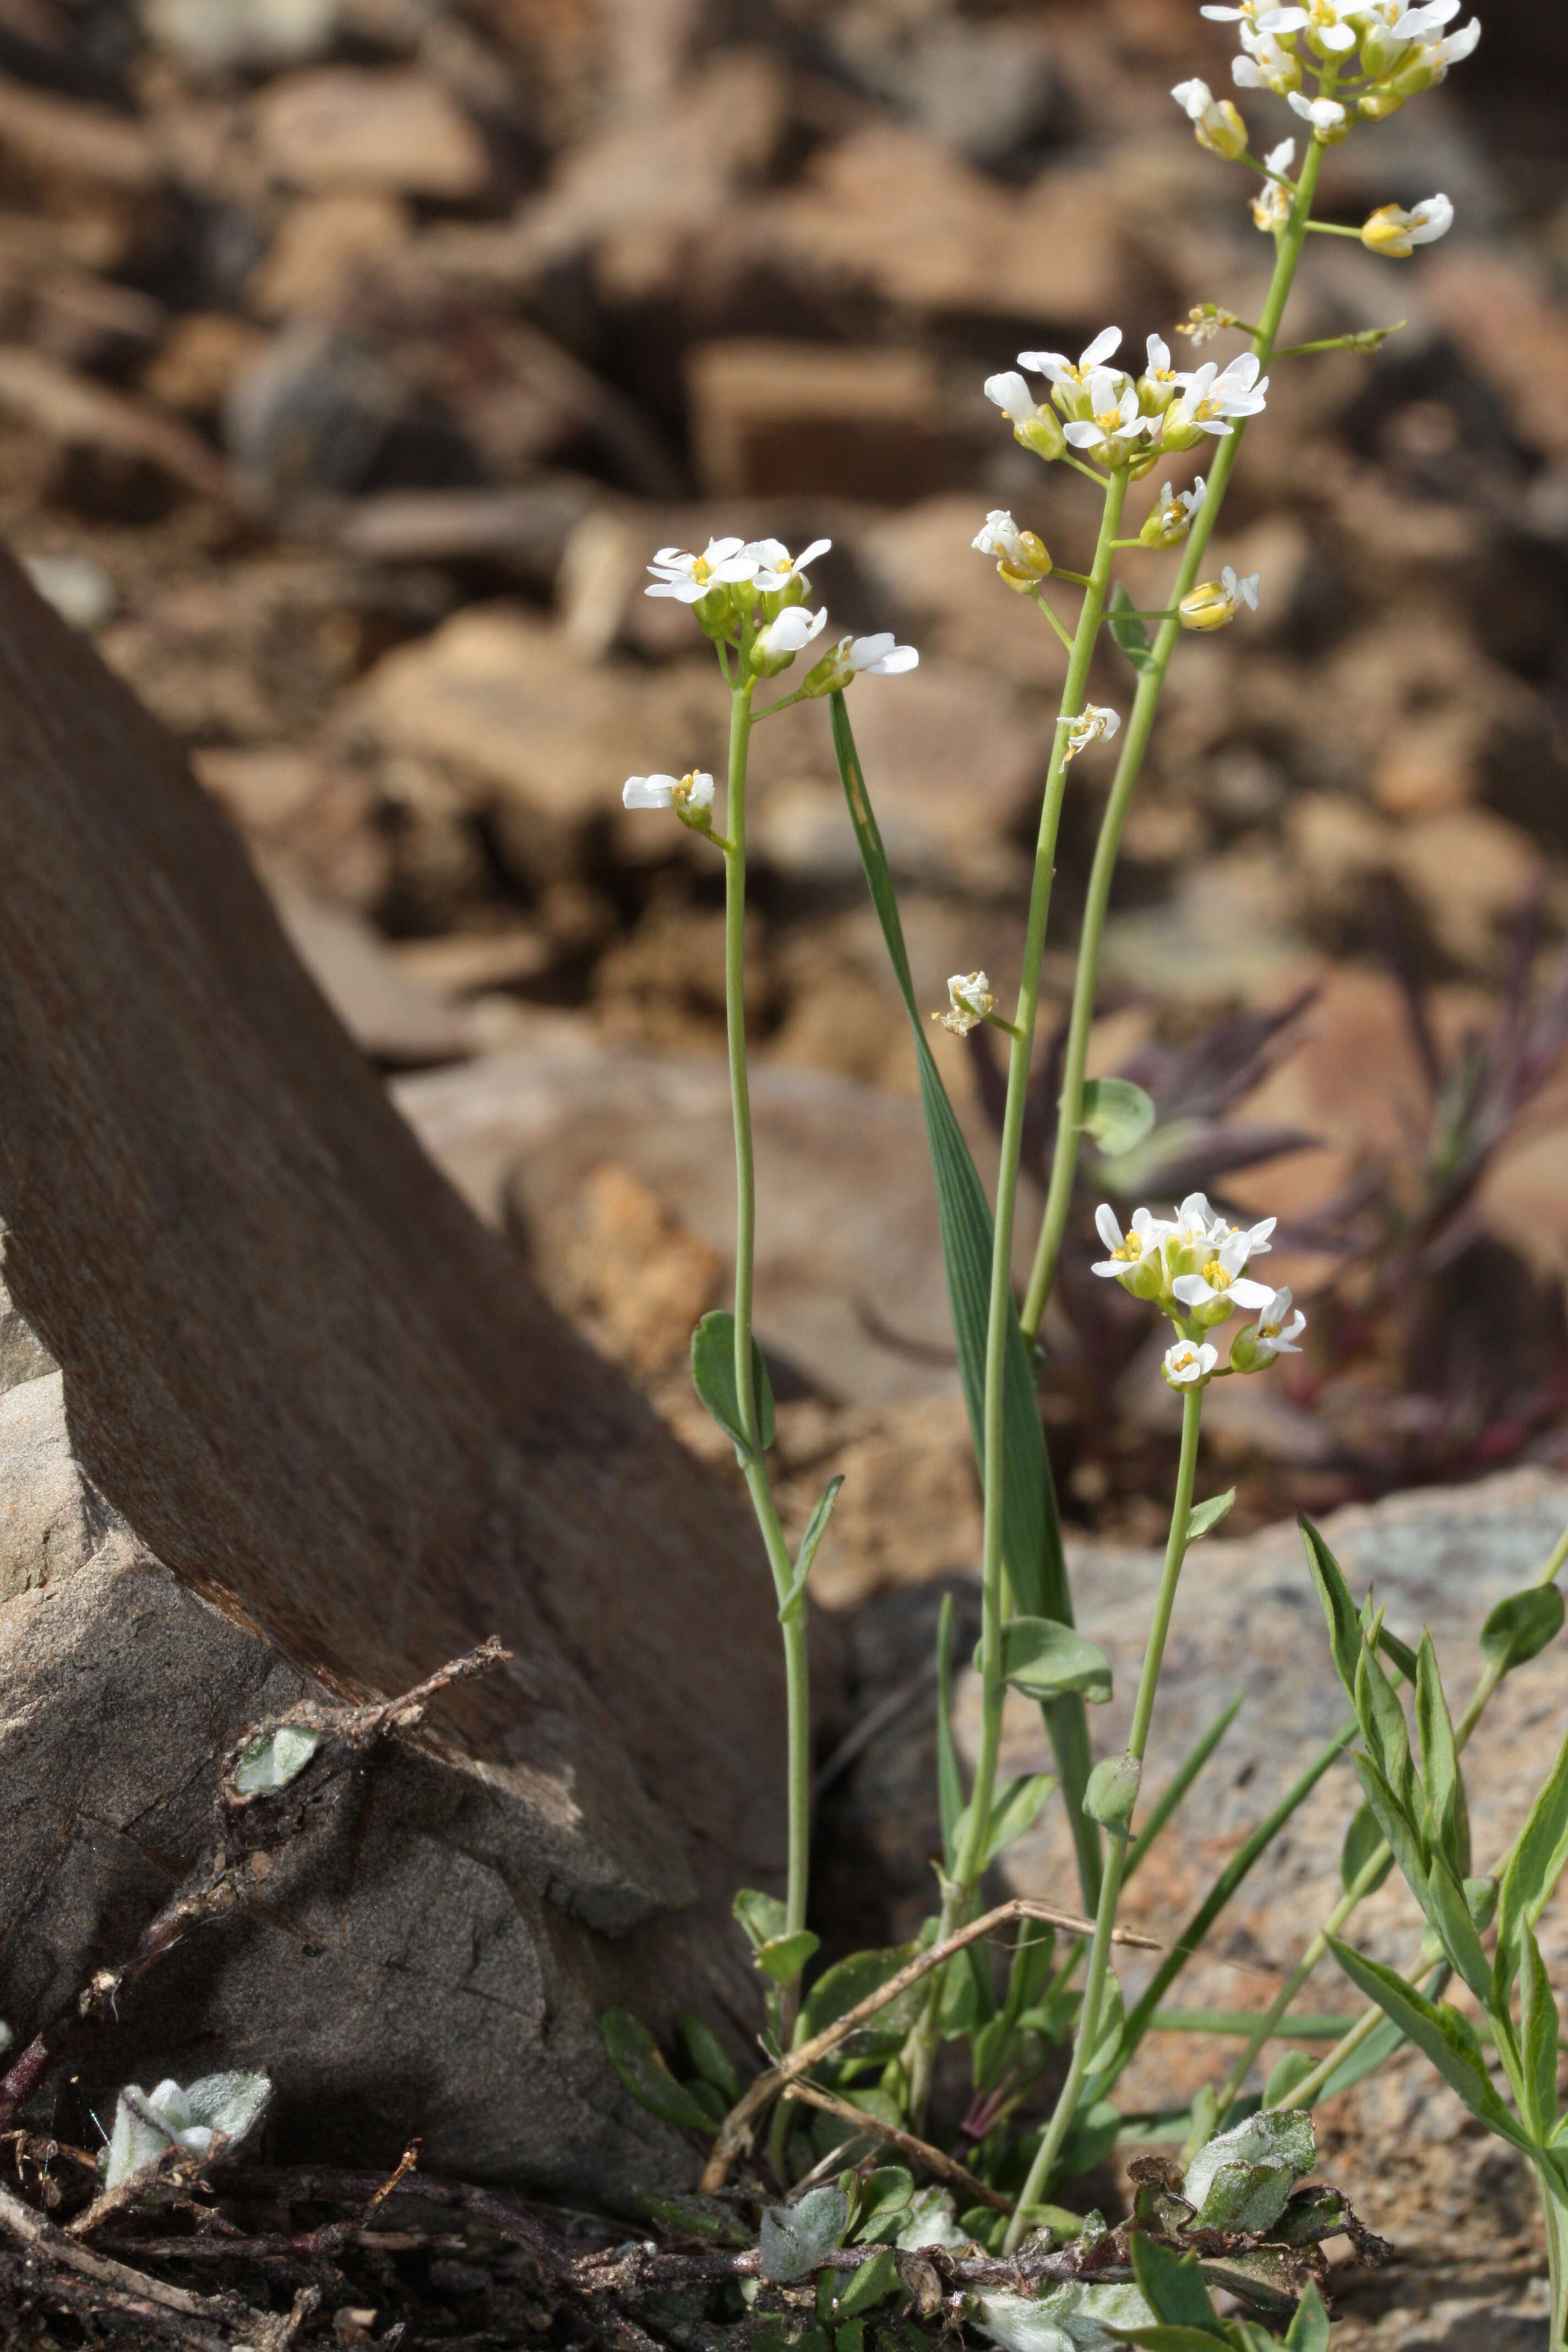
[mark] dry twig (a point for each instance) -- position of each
(918, 2152)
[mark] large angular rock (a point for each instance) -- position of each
(278, 1417)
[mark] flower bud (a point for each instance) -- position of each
(1111, 1793)
(1034, 563)
(1377, 105)
(1042, 434)
(1177, 434)
(1207, 607)
(1246, 1354)
(1380, 52)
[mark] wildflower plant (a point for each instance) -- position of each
(852, 2051)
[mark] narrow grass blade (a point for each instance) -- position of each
(1181, 1780)
(1031, 1525)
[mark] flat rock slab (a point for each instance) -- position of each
(278, 1417)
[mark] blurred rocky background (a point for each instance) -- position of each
(356, 354)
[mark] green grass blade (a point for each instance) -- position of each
(1181, 1780)
(1031, 1525)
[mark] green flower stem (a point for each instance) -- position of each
(1139, 724)
(1056, 2130)
(758, 1483)
(959, 1891)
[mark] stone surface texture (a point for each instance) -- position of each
(277, 1416)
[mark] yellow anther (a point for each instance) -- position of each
(1215, 1276)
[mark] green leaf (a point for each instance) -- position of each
(638, 2060)
(1363, 1839)
(1520, 1628)
(1128, 629)
(713, 1377)
(850, 1982)
(272, 1762)
(705, 2055)
(1308, 2331)
(1439, 2032)
(1208, 1515)
(1440, 1760)
(1042, 1659)
(815, 1528)
(1031, 1525)
(1117, 1114)
(1242, 2179)
(1285, 2074)
(1538, 2037)
(1450, 1915)
(1171, 2286)
(692, 2216)
(871, 2285)
(885, 2196)
(783, 1957)
(1015, 1810)
(1162, 2338)
(1534, 1869)
(1382, 1724)
(1399, 1652)
(761, 1917)
(950, 1787)
(1339, 1608)
(796, 2238)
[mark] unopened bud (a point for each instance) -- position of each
(1042, 434)
(1112, 1792)
(1378, 104)
(1177, 435)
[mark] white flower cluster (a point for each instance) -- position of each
(1193, 1266)
(750, 596)
(1397, 52)
(970, 1001)
(1114, 418)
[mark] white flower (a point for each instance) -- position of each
(1271, 206)
(1245, 14)
(1093, 724)
(1157, 384)
(878, 656)
(1214, 121)
(969, 1001)
(793, 631)
(1449, 51)
(1212, 605)
(1022, 556)
(1265, 63)
(1034, 423)
(1221, 1280)
(773, 567)
(722, 563)
(1276, 1329)
(1115, 420)
(1418, 24)
(1129, 1249)
(689, 792)
(1326, 115)
(1327, 20)
(1255, 1236)
(1170, 517)
(1057, 368)
(1209, 399)
(1393, 232)
(1187, 1365)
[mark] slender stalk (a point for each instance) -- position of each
(959, 1893)
(1060, 2124)
(1135, 743)
(758, 1484)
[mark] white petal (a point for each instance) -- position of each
(1105, 1226)
(1193, 1290)
(1108, 341)
(1337, 36)
(1194, 97)
(1159, 354)
(1430, 220)
(1246, 1292)
(809, 554)
(1281, 158)
(1012, 393)
(894, 664)
(864, 651)
(1110, 1268)
(702, 792)
(719, 550)
(648, 792)
(1082, 435)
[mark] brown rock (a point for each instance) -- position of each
(311, 1429)
(324, 246)
(344, 126)
(774, 417)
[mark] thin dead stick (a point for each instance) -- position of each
(64, 2252)
(946, 2168)
(735, 2135)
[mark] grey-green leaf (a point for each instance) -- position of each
(1339, 1608)
(1128, 629)
(1438, 2032)
(1117, 1114)
(848, 1983)
(796, 2238)
(1207, 1515)
(1308, 2331)
(1171, 2285)
(815, 1528)
(1539, 2030)
(275, 1759)
(1031, 1525)
(1520, 1628)
(1439, 1759)
(760, 1916)
(783, 1957)
(713, 1377)
(1363, 1839)
(1534, 1867)
(638, 2061)
(194, 2118)
(1250, 2169)
(1043, 1659)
